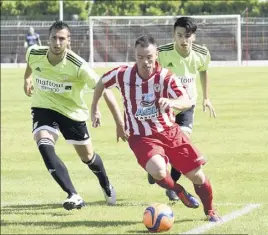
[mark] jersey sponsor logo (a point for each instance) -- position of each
(147, 100)
(68, 88)
(187, 83)
(145, 113)
(53, 86)
(147, 109)
(186, 80)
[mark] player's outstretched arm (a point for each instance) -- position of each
(28, 84)
(113, 106)
(115, 110)
(95, 113)
(206, 102)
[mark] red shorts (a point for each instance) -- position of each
(171, 144)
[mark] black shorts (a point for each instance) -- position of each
(74, 132)
(185, 119)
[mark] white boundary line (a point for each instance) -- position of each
(235, 214)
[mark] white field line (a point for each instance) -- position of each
(226, 218)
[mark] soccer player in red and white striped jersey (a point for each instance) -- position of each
(144, 116)
(150, 93)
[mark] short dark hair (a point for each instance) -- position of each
(145, 41)
(59, 25)
(188, 23)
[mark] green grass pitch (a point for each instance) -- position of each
(235, 144)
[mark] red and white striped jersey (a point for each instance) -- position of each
(142, 113)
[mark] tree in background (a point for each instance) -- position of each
(38, 10)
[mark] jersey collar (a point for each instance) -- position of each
(62, 63)
(180, 54)
(157, 66)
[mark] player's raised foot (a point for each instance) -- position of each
(73, 201)
(212, 216)
(172, 196)
(151, 180)
(188, 200)
(110, 195)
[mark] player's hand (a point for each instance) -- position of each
(121, 133)
(95, 118)
(165, 103)
(28, 87)
(208, 104)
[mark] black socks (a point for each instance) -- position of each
(97, 167)
(55, 166)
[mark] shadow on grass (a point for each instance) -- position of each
(60, 224)
(47, 208)
(176, 221)
(139, 231)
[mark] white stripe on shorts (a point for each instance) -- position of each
(48, 128)
(79, 142)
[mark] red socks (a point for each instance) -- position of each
(204, 191)
(169, 183)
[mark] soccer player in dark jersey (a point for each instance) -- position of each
(32, 38)
(56, 79)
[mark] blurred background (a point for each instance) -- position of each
(105, 31)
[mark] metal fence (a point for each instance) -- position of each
(254, 32)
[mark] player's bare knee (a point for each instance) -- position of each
(86, 157)
(156, 167)
(45, 134)
(197, 176)
(159, 174)
(85, 152)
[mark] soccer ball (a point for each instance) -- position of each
(158, 218)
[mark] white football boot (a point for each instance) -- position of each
(73, 201)
(111, 197)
